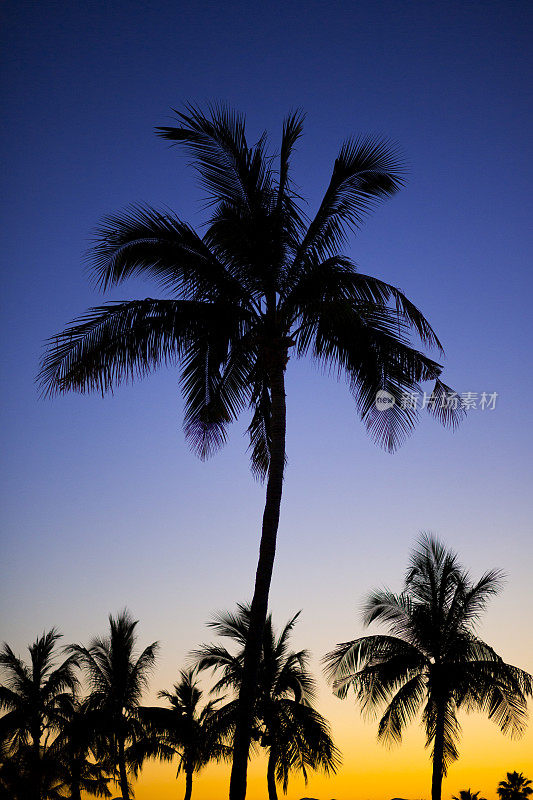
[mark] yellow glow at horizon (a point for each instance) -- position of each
(370, 771)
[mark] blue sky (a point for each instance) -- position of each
(103, 504)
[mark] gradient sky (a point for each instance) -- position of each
(103, 504)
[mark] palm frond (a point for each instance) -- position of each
(366, 171)
(292, 131)
(231, 170)
(346, 663)
(142, 241)
(478, 595)
(385, 606)
(337, 277)
(260, 435)
(215, 383)
(121, 341)
(451, 731)
(501, 691)
(302, 741)
(365, 345)
(402, 709)
(17, 674)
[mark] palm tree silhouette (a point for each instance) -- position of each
(195, 735)
(516, 787)
(432, 660)
(76, 748)
(30, 695)
(263, 283)
(295, 735)
(117, 678)
(467, 794)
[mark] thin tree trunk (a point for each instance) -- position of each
(36, 767)
(188, 785)
(125, 792)
(258, 611)
(438, 753)
(271, 777)
(75, 791)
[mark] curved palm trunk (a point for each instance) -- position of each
(258, 610)
(438, 753)
(271, 777)
(188, 785)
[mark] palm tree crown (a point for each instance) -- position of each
(295, 735)
(117, 678)
(262, 281)
(432, 660)
(516, 787)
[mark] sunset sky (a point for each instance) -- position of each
(103, 504)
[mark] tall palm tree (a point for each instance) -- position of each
(30, 696)
(76, 749)
(516, 787)
(194, 734)
(117, 678)
(262, 284)
(432, 659)
(295, 735)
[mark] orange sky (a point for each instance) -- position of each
(370, 771)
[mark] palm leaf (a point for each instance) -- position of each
(366, 171)
(142, 241)
(230, 170)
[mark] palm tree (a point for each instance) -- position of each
(117, 678)
(77, 751)
(516, 787)
(295, 735)
(195, 735)
(261, 285)
(30, 696)
(467, 794)
(431, 660)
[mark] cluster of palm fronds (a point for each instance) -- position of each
(58, 744)
(515, 787)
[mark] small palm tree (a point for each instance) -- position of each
(295, 735)
(195, 735)
(263, 284)
(117, 678)
(468, 794)
(432, 660)
(516, 787)
(31, 695)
